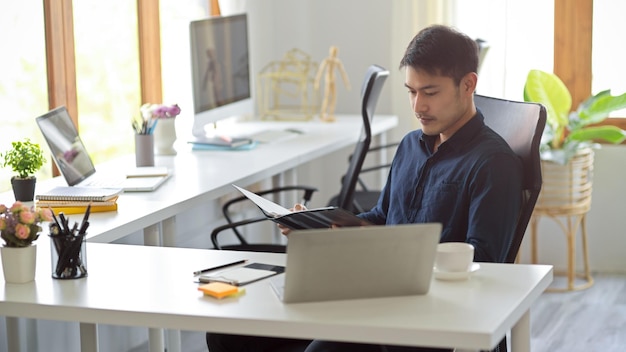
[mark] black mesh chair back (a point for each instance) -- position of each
(521, 124)
(373, 83)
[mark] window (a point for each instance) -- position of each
(107, 75)
(23, 90)
(609, 54)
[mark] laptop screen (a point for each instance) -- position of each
(68, 150)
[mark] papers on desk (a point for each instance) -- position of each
(243, 275)
(221, 143)
(271, 136)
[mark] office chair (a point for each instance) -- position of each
(370, 92)
(521, 125)
(243, 244)
(373, 82)
(366, 196)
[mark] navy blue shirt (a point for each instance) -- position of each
(472, 185)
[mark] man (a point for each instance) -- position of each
(455, 170)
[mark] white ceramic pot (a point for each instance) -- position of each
(19, 264)
(165, 136)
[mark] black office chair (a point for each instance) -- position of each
(521, 125)
(365, 195)
(242, 244)
(370, 91)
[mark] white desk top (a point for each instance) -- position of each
(202, 176)
(153, 287)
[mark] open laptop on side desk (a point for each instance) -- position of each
(77, 167)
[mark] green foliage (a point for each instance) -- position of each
(567, 131)
(25, 158)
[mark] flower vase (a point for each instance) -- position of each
(19, 263)
(165, 136)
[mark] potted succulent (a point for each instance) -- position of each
(569, 131)
(25, 158)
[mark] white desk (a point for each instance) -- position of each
(158, 292)
(202, 176)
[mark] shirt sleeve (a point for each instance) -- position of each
(495, 203)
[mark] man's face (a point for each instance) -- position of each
(441, 106)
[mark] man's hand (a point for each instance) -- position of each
(286, 230)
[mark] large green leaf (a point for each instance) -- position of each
(610, 134)
(548, 89)
(598, 107)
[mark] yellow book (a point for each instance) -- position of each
(82, 209)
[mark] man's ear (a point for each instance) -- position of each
(468, 83)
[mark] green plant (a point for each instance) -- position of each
(567, 131)
(25, 158)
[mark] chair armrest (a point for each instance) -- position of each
(216, 231)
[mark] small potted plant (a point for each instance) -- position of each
(25, 158)
(20, 225)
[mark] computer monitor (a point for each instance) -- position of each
(220, 70)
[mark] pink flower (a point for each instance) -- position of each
(45, 214)
(17, 207)
(20, 224)
(22, 231)
(159, 111)
(27, 217)
(173, 110)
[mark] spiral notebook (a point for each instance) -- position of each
(79, 194)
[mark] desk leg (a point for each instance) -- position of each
(174, 343)
(13, 334)
(155, 340)
(168, 232)
(151, 235)
(88, 337)
(21, 334)
(520, 334)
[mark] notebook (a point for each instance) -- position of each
(75, 164)
(358, 262)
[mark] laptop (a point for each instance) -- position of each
(77, 167)
(358, 262)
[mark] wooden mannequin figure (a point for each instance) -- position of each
(329, 65)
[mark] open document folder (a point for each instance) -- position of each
(318, 218)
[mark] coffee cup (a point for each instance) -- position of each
(454, 257)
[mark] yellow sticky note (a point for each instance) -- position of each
(219, 289)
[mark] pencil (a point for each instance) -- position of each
(219, 267)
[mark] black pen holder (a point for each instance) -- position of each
(68, 256)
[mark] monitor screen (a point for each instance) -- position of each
(220, 70)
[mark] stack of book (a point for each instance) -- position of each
(74, 200)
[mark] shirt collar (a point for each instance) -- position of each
(462, 137)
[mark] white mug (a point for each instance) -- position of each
(454, 256)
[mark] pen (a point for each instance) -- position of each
(219, 267)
